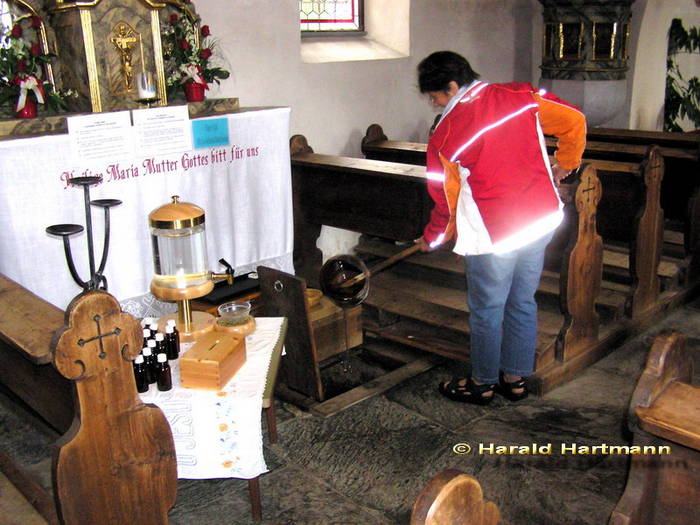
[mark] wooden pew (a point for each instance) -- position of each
(327, 194)
(663, 486)
(389, 201)
(453, 498)
(27, 326)
(630, 219)
(679, 191)
(103, 469)
(688, 141)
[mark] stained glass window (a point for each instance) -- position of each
(331, 15)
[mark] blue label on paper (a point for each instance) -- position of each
(210, 132)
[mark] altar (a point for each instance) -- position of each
(243, 184)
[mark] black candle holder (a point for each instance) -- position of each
(97, 280)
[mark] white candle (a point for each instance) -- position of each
(145, 85)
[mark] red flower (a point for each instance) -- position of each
(205, 31)
(173, 18)
(21, 66)
(35, 49)
(16, 31)
(36, 22)
(184, 45)
(205, 53)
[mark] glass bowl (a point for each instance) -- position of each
(234, 313)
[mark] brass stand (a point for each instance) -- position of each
(191, 325)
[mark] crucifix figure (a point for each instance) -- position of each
(124, 42)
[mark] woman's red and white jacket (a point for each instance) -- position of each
(488, 169)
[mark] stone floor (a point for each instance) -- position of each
(367, 464)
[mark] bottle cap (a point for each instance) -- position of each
(146, 321)
(171, 322)
(162, 358)
(154, 327)
(147, 352)
(151, 343)
(139, 359)
(169, 329)
(159, 336)
(146, 333)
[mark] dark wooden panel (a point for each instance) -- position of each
(645, 137)
(41, 387)
(360, 195)
(283, 295)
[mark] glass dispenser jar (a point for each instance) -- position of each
(179, 246)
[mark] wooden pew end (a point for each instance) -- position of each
(453, 498)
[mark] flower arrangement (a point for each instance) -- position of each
(21, 72)
(188, 52)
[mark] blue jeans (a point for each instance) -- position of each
(503, 311)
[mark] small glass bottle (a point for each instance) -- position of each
(161, 347)
(150, 360)
(164, 378)
(172, 342)
(146, 336)
(141, 374)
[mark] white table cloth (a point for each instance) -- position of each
(244, 189)
(219, 434)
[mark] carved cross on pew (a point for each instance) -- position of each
(116, 464)
(99, 336)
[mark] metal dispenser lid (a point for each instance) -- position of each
(176, 215)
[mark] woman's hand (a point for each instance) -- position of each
(559, 173)
(424, 246)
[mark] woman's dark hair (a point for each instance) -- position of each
(437, 70)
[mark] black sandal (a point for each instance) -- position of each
(506, 389)
(469, 392)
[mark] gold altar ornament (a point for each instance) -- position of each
(124, 41)
(102, 41)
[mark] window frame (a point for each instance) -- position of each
(360, 32)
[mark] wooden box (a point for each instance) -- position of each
(334, 330)
(212, 361)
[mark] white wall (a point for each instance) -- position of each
(652, 21)
(333, 103)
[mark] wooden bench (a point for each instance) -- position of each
(679, 188)
(421, 302)
(27, 326)
(663, 485)
(630, 221)
(136, 481)
(678, 191)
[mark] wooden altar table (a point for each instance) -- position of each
(218, 434)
